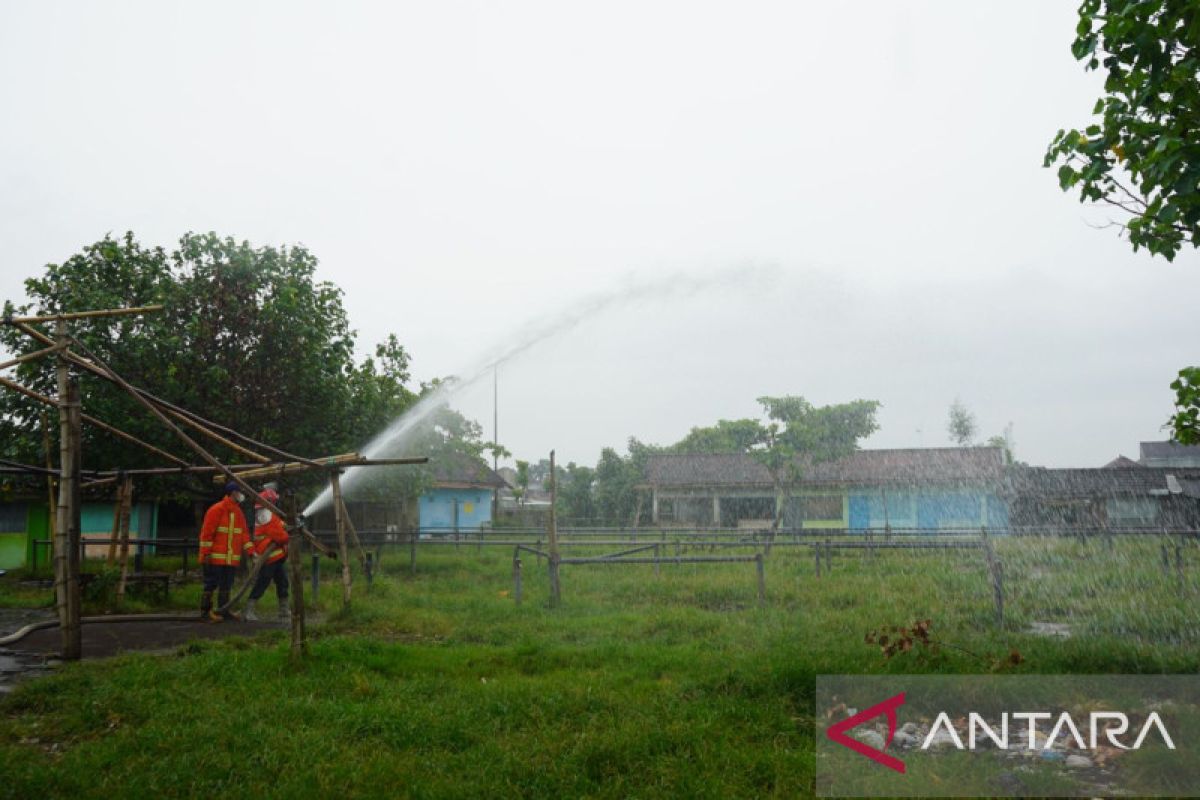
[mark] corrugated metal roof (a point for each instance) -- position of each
(1134, 481)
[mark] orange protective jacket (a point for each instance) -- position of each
(224, 536)
(268, 534)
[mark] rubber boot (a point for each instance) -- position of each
(206, 608)
(248, 613)
(222, 601)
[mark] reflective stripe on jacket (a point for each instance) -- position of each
(271, 533)
(224, 536)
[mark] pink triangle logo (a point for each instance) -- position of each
(837, 732)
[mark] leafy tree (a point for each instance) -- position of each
(247, 338)
(1142, 156)
(574, 494)
(727, 436)
(616, 480)
(800, 435)
(1186, 421)
(961, 424)
(521, 490)
(1005, 440)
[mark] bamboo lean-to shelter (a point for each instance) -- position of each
(267, 461)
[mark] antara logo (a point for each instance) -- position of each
(837, 732)
(1113, 725)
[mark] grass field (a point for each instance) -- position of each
(437, 685)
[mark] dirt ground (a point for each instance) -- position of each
(111, 638)
(38, 652)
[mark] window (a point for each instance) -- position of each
(666, 510)
(823, 507)
(12, 518)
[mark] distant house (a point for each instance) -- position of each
(1169, 454)
(870, 489)
(1112, 498)
(25, 521)
(460, 498)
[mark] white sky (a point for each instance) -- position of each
(851, 192)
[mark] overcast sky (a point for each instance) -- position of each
(837, 200)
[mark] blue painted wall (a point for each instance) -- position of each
(926, 509)
(437, 509)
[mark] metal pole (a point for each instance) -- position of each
(762, 580)
(316, 575)
(517, 577)
(412, 552)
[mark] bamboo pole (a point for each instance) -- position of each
(216, 437)
(552, 533)
(332, 462)
(66, 532)
(200, 451)
(299, 647)
(102, 372)
(118, 504)
(104, 312)
(104, 426)
(36, 354)
(126, 508)
(50, 503)
(339, 515)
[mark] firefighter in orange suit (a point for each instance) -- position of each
(224, 539)
(270, 535)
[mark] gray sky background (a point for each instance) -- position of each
(837, 200)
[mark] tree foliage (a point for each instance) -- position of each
(961, 425)
(248, 338)
(1186, 421)
(1142, 156)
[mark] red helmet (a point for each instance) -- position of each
(270, 495)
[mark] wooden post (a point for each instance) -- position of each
(996, 573)
(66, 553)
(817, 557)
(412, 552)
(123, 514)
(552, 533)
(517, 576)
(1166, 561)
(828, 556)
(1179, 563)
(762, 579)
(299, 647)
(555, 593)
(339, 515)
(51, 503)
(316, 576)
(656, 557)
(118, 504)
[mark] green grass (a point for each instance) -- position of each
(437, 685)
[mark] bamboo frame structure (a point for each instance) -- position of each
(67, 519)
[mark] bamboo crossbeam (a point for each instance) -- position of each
(106, 312)
(330, 462)
(83, 363)
(216, 437)
(191, 443)
(32, 356)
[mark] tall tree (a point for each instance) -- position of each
(1142, 156)
(248, 338)
(961, 424)
(799, 435)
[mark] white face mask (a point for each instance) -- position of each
(238, 497)
(262, 516)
